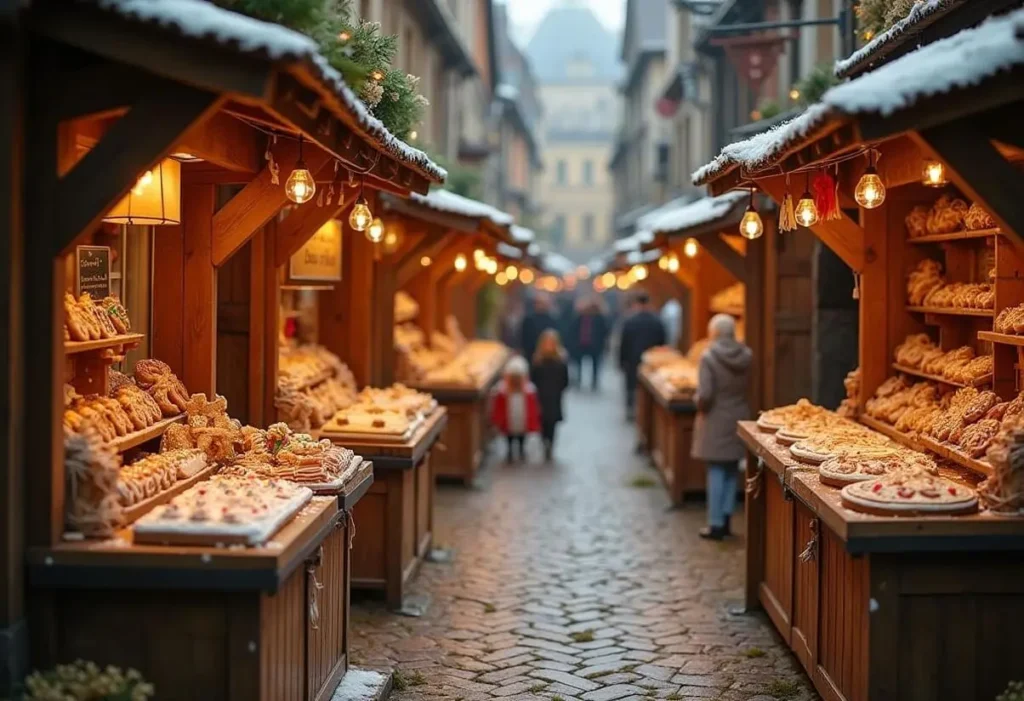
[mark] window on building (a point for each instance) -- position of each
(558, 231)
(588, 172)
(562, 172)
(588, 227)
(661, 162)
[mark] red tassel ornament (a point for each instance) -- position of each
(825, 197)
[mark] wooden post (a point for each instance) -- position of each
(199, 303)
(383, 302)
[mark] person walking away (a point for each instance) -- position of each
(723, 381)
(515, 410)
(536, 322)
(550, 376)
(641, 331)
(588, 337)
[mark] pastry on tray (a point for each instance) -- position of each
(847, 469)
(915, 493)
(1003, 491)
(370, 421)
(774, 419)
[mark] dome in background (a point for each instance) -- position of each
(572, 46)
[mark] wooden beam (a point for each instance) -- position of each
(226, 142)
(844, 236)
(100, 89)
(199, 303)
(383, 301)
(136, 142)
(258, 201)
(726, 256)
(980, 172)
(898, 164)
(431, 246)
(269, 284)
(302, 222)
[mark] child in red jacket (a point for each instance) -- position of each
(515, 410)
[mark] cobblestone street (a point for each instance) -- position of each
(573, 581)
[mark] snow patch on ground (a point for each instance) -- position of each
(360, 685)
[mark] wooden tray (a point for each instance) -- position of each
(980, 382)
(951, 311)
(954, 455)
(133, 512)
(1005, 338)
(956, 236)
(128, 339)
(136, 438)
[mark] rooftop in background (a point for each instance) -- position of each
(572, 46)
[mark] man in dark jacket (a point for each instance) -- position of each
(587, 336)
(722, 386)
(539, 320)
(641, 331)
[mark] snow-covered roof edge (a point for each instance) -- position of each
(522, 235)
(921, 13)
(695, 214)
(963, 60)
(204, 21)
(452, 203)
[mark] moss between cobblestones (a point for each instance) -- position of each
(537, 687)
(489, 608)
(583, 636)
(754, 652)
(782, 689)
(643, 482)
(557, 698)
(401, 680)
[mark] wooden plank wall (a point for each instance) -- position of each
(790, 344)
(282, 641)
(844, 621)
(777, 588)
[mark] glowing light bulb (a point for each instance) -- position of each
(374, 232)
(640, 272)
(526, 277)
(460, 262)
(360, 219)
(377, 75)
(934, 174)
(690, 249)
(609, 279)
(413, 135)
(751, 226)
(583, 272)
(870, 192)
(425, 261)
(663, 262)
(623, 282)
(501, 279)
(512, 272)
(391, 242)
(806, 211)
(492, 266)
(673, 264)
(794, 94)
(344, 35)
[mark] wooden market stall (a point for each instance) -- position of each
(451, 252)
(209, 562)
(878, 605)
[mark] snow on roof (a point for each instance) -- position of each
(703, 211)
(448, 201)
(508, 250)
(920, 13)
(202, 20)
(557, 264)
(521, 234)
(625, 245)
(533, 249)
(959, 61)
(641, 257)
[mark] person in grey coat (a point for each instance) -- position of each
(722, 385)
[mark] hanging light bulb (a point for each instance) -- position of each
(501, 279)
(425, 261)
(526, 277)
(673, 264)
(460, 263)
(512, 272)
(640, 272)
(391, 241)
(751, 226)
(492, 266)
(690, 249)
(344, 35)
(300, 186)
(374, 232)
(361, 218)
(583, 273)
(934, 174)
(870, 192)
(794, 94)
(806, 211)
(663, 262)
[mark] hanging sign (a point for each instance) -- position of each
(754, 57)
(319, 259)
(92, 270)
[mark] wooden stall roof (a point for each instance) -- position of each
(927, 22)
(455, 212)
(270, 75)
(976, 70)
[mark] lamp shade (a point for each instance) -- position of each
(154, 200)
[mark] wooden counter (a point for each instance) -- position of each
(665, 425)
(877, 607)
(239, 624)
(395, 519)
(469, 429)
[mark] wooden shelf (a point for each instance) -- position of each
(951, 311)
(1005, 338)
(136, 438)
(954, 455)
(956, 236)
(128, 339)
(143, 507)
(981, 382)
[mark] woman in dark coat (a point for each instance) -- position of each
(722, 387)
(550, 375)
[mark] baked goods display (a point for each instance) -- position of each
(1010, 321)
(842, 440)
(780, 417)
(847, 469)
(730, 300)
(909, 493)
(312, 385)
(926, 287)
(659, 356)
(959, 366)
(126, 410)
(849, 407)
(280, 453)
(673, 373)
(167, 390)
(88, 319)
(226, 509)
(1003, 491)
(208, 428)
(91, 468)
(406, 308)
(153, 474)
(399, 398)
(947, 215)
(371, 420)
(449, 359)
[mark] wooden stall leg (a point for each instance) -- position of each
(754, 531)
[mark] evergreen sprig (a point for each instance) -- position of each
(816, 83)
(357, 49)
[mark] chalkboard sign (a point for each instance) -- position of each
(93, 270)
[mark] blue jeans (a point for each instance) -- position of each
(721, 492)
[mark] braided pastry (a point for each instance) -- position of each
(917, 222)
(149, 371)
(946, 215)
(117, 314)
(977, 218)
